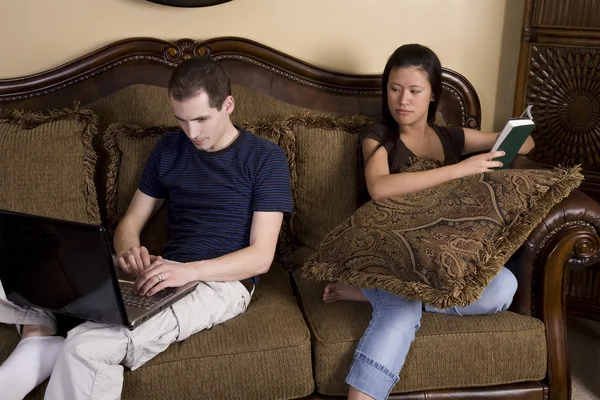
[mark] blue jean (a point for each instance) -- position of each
(381, 352)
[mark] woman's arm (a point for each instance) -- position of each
(381, 184)
(476, 141)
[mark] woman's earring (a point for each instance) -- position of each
(432, 99)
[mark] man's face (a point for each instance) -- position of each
(204, 125)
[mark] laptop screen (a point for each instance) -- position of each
(60, 266)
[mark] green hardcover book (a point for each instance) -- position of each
(515, 133)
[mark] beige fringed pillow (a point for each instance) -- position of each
(323, 169)
(327, 166)
(128, 148)
(47, 164)
(278, 132)
(445, 244)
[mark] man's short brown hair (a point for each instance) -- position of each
(200, 74)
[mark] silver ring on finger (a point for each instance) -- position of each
(159, 277)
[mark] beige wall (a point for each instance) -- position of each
(477, 38)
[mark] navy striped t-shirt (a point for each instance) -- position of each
(211, 196)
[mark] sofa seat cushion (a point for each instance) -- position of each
(448, 352)
(263, 354)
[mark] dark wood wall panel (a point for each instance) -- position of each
(568, 13)
(564, 87)
(559, 73)
(583, 292)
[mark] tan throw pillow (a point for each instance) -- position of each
(445, 244)
(327, 185)
(324, 172)
(280, 133)
(47, 164)
(129, 147)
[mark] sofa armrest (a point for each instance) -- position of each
(566, 238)
(577, 216)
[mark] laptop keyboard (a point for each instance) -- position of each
(145, 302)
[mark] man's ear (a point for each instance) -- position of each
(229, 104)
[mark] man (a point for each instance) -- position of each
(227, 191)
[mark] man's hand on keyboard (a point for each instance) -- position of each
(135, 260)
(162, 274)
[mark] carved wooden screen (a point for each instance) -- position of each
(559, 73)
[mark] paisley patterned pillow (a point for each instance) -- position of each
(445, 244)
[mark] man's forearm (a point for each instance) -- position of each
(140, 210)
(125, 238)
(241, 264)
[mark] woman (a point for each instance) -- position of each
(411, 88)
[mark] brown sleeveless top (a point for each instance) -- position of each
(451, 137)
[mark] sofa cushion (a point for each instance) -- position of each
(327, 184)
(47, 163)
(264, 353)
(448, 352)
(441, 245)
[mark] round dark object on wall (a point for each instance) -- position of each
(189, 3)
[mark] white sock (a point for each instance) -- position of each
(30, 364)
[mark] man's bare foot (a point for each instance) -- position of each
(37, 330)
(337, 291)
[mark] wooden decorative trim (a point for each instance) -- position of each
(581, 251)
(296, 78)
(45, 85)
(581, 41)
(549, 285)
(567, 31)
(565, 13)
(83, 68)
(583, 308)
(172, 53)
(149, 52)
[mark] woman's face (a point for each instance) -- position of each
(408, 95)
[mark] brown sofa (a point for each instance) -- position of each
(288, 344)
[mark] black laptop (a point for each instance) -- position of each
(67, 267)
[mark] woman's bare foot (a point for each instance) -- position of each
(340, 291)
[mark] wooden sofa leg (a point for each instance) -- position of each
(550, 300)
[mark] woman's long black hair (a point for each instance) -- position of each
(408, 55)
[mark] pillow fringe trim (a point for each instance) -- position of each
(511, 239)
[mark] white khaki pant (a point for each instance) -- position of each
(90, 364)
